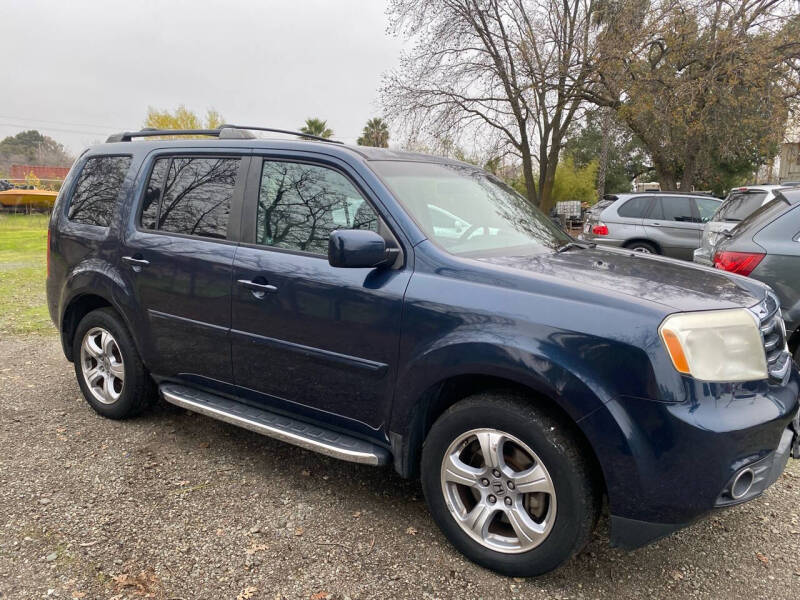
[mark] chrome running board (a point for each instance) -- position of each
(285, 429)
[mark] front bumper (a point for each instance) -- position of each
(667, 464)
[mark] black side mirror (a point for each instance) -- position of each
(358, 248)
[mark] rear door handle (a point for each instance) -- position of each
(258, 288)
(135, 262)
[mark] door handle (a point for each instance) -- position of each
(655, 224)
(135, 262)
(259, 289)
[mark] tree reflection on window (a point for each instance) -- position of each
(97, 190)
(299, 205)
(195, 196)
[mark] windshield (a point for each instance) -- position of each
(739, 205)
(466, 211)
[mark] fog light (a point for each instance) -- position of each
(742, 483)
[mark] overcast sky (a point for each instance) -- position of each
(78, 70)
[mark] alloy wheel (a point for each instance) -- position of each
(498, 490)
(102, 365)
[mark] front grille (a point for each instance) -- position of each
(773, 333)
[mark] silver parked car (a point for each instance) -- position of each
(668, 223)
(740, 203)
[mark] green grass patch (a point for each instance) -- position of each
(23, 268)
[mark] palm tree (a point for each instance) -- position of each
(376, 133)
(317, 127)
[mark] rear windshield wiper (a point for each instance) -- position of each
(574, 245)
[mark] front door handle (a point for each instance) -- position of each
(136, 263)
(258, 288)
(655, 224)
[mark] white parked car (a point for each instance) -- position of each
(740, 203)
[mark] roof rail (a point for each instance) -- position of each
(286, 131)
(226, 131)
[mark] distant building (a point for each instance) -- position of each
(41, 171)
(790, 163)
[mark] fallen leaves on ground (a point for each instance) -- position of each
(411, 531)
(255, 548)
(247, 593)
(145, 584)
(762, 558)
(320, 596)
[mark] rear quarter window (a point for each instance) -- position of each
(635, 208)
(97, 190)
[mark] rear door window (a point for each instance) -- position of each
(97, 190)
(673, 208)
(740, 204)
(635, 208)
(190, 196)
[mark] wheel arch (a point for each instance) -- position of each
(86, 290)
(441, 395)
(643, 240)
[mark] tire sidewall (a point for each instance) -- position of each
(650, 248)
(129, 401)
(571, 484)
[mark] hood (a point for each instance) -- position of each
(682, 286)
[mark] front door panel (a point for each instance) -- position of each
(325, 340)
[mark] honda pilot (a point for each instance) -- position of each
(391, 308)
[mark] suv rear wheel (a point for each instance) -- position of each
(643, 247)
(508, 485)
(108, 367)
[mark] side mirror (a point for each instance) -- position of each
(358, 248)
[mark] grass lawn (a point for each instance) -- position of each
(23, 267)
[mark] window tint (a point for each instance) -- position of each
(300, 205)
(672, 208)
(97, 190)
(634, 208)
(739, 205)
(152, 195)
(706, 207)
(190, 196)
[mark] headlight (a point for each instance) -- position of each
(716, 345)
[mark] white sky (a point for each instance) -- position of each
(77, 70)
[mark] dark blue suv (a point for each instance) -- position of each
(387, 307)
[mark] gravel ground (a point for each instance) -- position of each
(178, 506)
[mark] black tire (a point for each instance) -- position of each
(577, 492)
(138, 391)
(797, 354)
(644, 247)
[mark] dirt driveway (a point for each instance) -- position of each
(177, 506)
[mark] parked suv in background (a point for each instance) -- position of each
(667, 223)
(739, 204)
(312, 292)
(766, 246)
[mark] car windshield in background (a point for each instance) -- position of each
(469, 212)
(739, 205)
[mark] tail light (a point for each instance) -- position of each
(741, 263)
(600, 229)
(48, 252)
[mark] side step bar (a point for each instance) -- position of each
(286, 429)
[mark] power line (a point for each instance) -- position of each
(59, 129)
(90, 125)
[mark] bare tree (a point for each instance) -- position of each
(505, 72)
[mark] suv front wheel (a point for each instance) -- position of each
(108, 367)
(508, 485)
